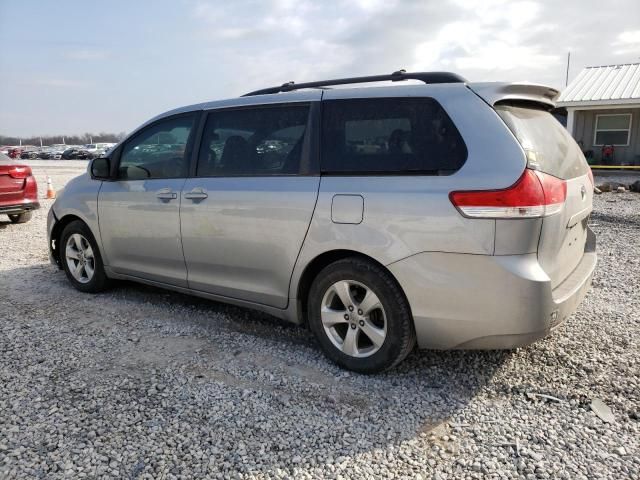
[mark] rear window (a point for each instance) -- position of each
(546, 143)
(390, 135)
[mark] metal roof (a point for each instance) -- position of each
(603, 85)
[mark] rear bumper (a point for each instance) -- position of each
(464, 301)
(16, 208)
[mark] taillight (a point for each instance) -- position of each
(535, 194)
(19, 171)
(31, 188)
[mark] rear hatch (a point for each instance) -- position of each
(550, 149)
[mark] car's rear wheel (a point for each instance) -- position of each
(23, 217)
(81, 258)
(360, 316)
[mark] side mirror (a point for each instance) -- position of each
(101, 168)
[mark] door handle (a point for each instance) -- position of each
(166, 194)
(196, 194)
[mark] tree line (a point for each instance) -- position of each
(83, 139)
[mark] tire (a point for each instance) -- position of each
(83, 247)
(354, 339)
(23, 217)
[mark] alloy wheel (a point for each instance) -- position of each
(353, 318)
(80, 258)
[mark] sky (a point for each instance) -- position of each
(70, 67)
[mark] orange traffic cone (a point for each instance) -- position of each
(51, 193)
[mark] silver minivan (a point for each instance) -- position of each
(436, 211)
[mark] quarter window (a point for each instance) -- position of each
(390, 135)
(612, 129)
(253, 141)
(159, 151)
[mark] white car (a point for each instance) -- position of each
(95, 150)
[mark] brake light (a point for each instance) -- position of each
(535, 194)
(19, 171)
(31, 188)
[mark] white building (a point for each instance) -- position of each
(603, 108)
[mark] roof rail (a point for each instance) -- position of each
(426, 77)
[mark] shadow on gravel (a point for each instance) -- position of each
(632, 221)
(250, 390)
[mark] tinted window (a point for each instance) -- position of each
(253, 141)
(159, 151)
(393, 135)
(546, 143)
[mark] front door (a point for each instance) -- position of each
(246, 211)
(139, 213)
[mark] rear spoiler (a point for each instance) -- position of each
(496, 92)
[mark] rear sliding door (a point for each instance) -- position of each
(245, 213)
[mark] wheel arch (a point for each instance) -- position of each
(315, 266)
(56, 233)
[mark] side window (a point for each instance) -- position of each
(253, 141)
(159, 151)
(390, 135)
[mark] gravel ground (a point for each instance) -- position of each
(144, 383)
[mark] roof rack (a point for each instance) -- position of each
(426, 77)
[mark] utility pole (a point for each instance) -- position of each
(566, 80)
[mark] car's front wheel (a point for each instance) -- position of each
(81, 258)
(360, 316)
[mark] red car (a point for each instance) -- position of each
(18, 190)
(14, 152)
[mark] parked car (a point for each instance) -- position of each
(15, 152)
(29, 153)
(46, 153)
(103, 149)
(451, 214)
(54, 152)
(92, 150)
(84, 154)
(57, 150)
(69, 153)
(18, 190)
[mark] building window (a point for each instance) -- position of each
(612, 129)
